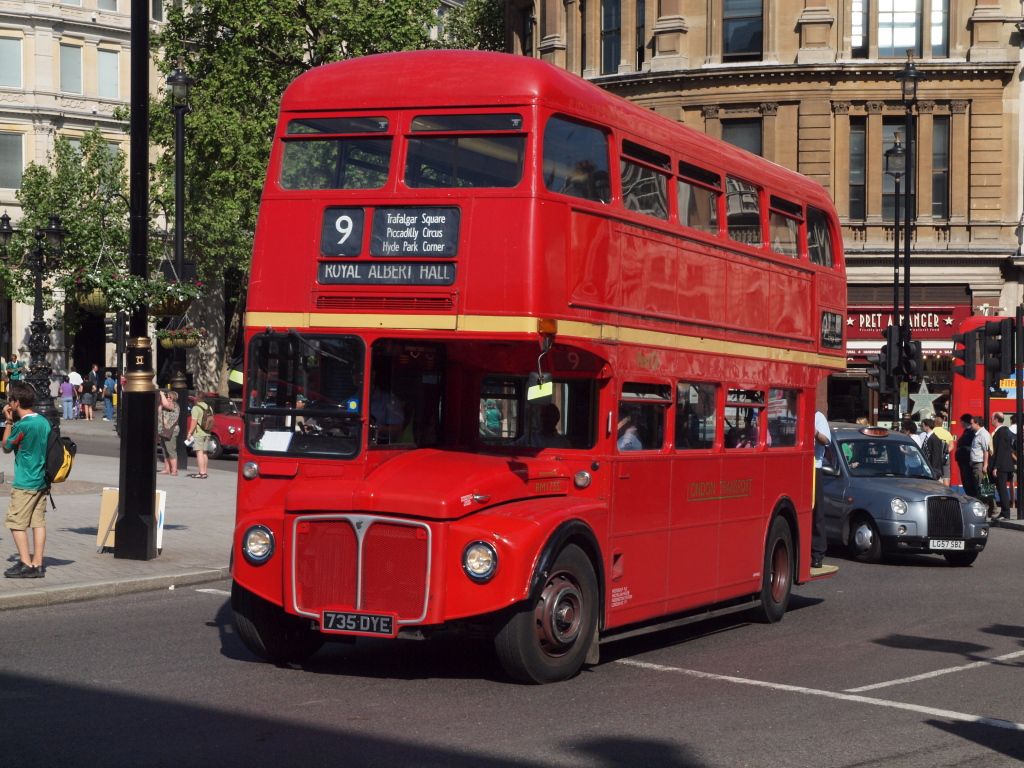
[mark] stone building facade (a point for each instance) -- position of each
(811, 85)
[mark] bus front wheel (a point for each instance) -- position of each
(777, 574)
(269, 632)
(546, 640)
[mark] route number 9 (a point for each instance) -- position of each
(341, 232)
(344, 227)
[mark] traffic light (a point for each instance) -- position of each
(885, 362)
(998, 347)
(110, 326)
(968, 355)
(913, 365)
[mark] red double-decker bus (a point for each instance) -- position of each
(525, 358)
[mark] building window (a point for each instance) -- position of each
(940, 28)
(583, 37)
(71, 2)
(107, 5)
(745, 134)
(71, 68)
(641, 34)
(858, 168)
(889, 128)
(899, 28)
(742, 30)
(611, 31)
(108, 74)
(859, 29)
(940, 167)
(10, 62)
(11, 160)
(158, 10)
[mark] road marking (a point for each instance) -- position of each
(949, 715)
(214, 591)
(936, 673)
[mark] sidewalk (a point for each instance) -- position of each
(199, 519)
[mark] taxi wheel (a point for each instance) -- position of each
(865, 544)
(777, 573)
(546, 640)
(960, 559)
(269, 632)
(214, 447)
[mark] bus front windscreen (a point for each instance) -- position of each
(304, 394)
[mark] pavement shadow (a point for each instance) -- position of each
(969, 651)
(1002, 741)
(83, 531)
(51, 562)
(1004, 630)
(54, 723)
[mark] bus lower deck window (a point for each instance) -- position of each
(696, 406)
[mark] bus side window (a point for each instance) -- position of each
(697, 198)
(819, 241)
(644, 189)
(696, 405)
(576, 160)
(642, 410)
(743, 212)
(784, 227)
(782, 418)
(744, 416)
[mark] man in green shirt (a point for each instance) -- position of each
(26, 434)
(199, 435)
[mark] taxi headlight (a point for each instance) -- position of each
(978, 509)
(899, 506)
(231, 430)
(479, 561)
(258, 544)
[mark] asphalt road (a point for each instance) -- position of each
(110, 446)
(161, 679)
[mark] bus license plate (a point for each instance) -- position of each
(946, 544)
(374, 624)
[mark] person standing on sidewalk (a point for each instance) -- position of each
(981, 451)
(944, 435)
(822, 438)
(201, 436)
(26, 434)
(109, 387)
(1001, 463)
(168, 423)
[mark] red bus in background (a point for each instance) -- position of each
(439, 232)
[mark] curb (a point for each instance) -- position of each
(1013, 525)
(97, 590)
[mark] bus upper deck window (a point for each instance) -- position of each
(743, 212)
(784, 226)
(480, 160)
(819, 241)
(697, 198)
(576, 160)
(644, 189)
(315, 160)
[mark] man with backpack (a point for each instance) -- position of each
(200, 427)
(26, 434)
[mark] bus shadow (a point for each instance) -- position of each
(1004, 630)
(1002, 741)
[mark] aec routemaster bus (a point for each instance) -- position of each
(522, 358)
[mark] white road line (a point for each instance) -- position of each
(936, 673)
(214, 591)
(960, 716)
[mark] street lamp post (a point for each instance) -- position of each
(908, 78)
(896, 166)
(41, 258)
(178, 85)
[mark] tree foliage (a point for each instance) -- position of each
(476, 25)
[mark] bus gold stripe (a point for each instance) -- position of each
(520, 324)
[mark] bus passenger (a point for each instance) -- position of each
(549, 437)
(628, 441)
(386, 411)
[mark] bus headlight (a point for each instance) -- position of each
(258, 544)
(978, 508)
(899, 506)
(479, 561)
(250, 470)
(582, 479)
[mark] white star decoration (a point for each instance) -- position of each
(849, 321)
(923, 402)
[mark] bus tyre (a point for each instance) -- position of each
(960, 559)
(546, 640)
(777, 574)
(865, 544)
(269, 632)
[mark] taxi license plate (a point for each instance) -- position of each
(946, 544)
(374, 624)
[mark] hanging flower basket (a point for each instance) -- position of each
(193, 342)
(170, 306)
(180, 337)
(167, 343)
(94, 302)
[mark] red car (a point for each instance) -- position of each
(227, 425)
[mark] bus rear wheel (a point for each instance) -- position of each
(777, 573)
(546, 640)
(269, 632)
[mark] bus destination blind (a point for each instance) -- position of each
(404, 232)
(386, 273)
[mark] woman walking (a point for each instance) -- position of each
(88, 390)
(67, 398)
(169, 413)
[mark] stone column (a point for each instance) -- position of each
(572, 36)
(592, 66)
(552, 30)
(841, 170)
(671, 51)
(959, 168)
(987, 43)
(875, 162)
(925, 134)
(814, 139)
(627, 37)
(815, 23)
(769, 116)
(712, 120)
(987, 166)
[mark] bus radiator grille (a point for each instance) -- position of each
(944, 518)
(326, 556)
(395, 561)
